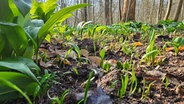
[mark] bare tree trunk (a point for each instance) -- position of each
(151, 16)
(168, 9)
(160, 8)
(120, 16)
(93, 11)
(125, 10)
(107, 19)
(182, 12)
(129, 10)
(76, 15)
(89, 9)
(110, 12)
(84, 13)
(178, 10)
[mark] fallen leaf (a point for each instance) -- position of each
(181, 48)
(137, 44)
(159, 59)
(73, 55)
(46, 64)
(113, 63)
(85, 53)
(94, 60)
(169, 49)
(60, 52)
(66, 62)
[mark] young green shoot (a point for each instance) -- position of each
(102, 56)
(124, 84)
(77, 49)
(87, 86)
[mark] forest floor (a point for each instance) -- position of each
(161, 82)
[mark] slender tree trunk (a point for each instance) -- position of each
(125, 10)
(151, 16)
(129, 10)
(107, 19)
(89, 9)
(178, 10)
(84, 14)
(168, 9)
(160, 8)
(120, 16)
(76, 15)
(93, 11)
(110, 11)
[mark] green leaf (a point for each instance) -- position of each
(2, 42)
(179, 41)
(28, 62)
(14, 85)
(34, 27)
(17, 66)
(16, 37)
(102, 53)
(8, 15)
(14, 9)
(57, 16)
(24, 6)
(149, 54)
(43, 10)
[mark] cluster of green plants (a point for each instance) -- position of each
(23, 27)
(27, 23)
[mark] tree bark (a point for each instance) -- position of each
(107, 19)
(110, 11)
(178, 10)
(168, 9)
(84, 14)
(120, 16)
(160, 8)
(129, 10)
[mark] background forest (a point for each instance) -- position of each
(91, 52)
(113, 11)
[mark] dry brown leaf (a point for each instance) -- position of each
(85, 53)
(181, 48)
(137, 44)
(73, 55)
(60, 52)
(113, 63)
(169, 49)
(106, 48)
(47, 64)
(94, 60)
(66, 62)
(154, 75)
(158, 59)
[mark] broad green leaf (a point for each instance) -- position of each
(34, 27)
(2, 42)
(17, 66)
(5, 16)
(23, 21)
(16, 37)
(14, 85)
(24, 6)
(57, 16)
(14, 8)
(25, 61)
(179, 41)
(49, 7)
(43, 10)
